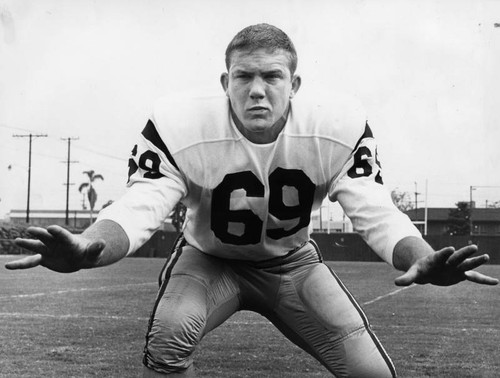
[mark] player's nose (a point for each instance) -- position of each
(257, 89)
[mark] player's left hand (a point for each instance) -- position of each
(447, 267)
(57, 249)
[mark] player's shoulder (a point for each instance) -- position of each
(185, 119)
(330, 115)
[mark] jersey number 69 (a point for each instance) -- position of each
(222, 215)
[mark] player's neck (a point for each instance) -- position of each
(268, 136)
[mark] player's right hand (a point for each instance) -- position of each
(447, 267)
(58, 249)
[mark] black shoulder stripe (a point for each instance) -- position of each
(151, 134)
(366, 134)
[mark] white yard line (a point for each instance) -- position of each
(394, 292)
(81, 289)
(115, 317)
(68, 316)
(103, 317)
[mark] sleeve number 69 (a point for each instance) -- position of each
(363, 164)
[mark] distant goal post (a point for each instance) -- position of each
(421, 225)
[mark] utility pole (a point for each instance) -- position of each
(471, 188)
(416, 201)
(426, 207)
(68, 162)
(472, 203)
(30, 136)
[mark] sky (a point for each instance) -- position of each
(426, 72)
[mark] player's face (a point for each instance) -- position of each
(259, 86)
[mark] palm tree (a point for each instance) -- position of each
(89, 188)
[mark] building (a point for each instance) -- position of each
(77, 219)
(324, 222)
(485, 221)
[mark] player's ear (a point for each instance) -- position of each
(296, 81)
(224, 81)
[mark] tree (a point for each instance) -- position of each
(459, 219)
(89, 188)
(178, 216)
(402, 200)
(493, 205)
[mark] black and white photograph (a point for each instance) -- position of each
(217, 188)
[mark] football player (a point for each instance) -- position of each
(250, 167)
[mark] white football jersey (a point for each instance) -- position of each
(252, 201)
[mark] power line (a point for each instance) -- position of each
(30, 136)
(103, 154)
(13, 128)
(100, 153)
(416, 198)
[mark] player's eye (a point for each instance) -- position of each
(243, 76)
(273, 77)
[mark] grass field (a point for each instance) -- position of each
(92, 324)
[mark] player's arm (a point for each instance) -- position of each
(154, 188)
(360, 191)
(57, 249)
(445, 267)
(390, 233)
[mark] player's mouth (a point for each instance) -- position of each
(257, 110)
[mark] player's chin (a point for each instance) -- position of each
(258, 125)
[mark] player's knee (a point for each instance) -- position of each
(365, 356)
(172, 339)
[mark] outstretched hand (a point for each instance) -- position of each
(57, 249)
(447, 267)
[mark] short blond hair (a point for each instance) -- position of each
(262, 36)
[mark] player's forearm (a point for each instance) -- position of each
(408, 250)
(117, 243)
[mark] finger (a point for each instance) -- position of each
(94, 249)
(473, 262)
(460, 255)
(473, 276)
(25, 263)
(32, 245)
(61, 234)
(35, 229)
(441, 257)
(407, 279)
(41, 234)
